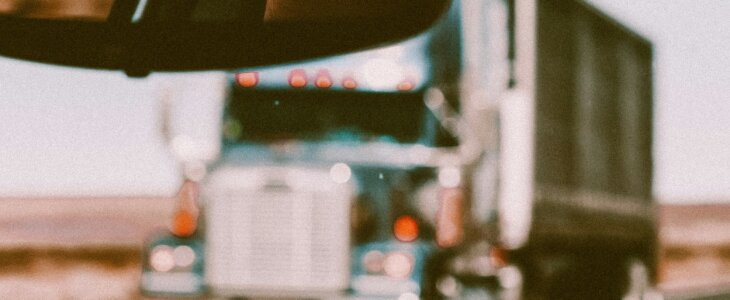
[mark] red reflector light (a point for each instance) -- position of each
(298, 78)
(405, 229)
(323, 80)
(349, 83)
(247, 79)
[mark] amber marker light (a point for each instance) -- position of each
(349, 83)
(405, 229)
(405, 85)
(184, 224)
(247, 79)
(298, 78)
(185, 219)
(323, 80)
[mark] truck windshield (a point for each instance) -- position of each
(261, 116)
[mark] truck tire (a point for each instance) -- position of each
(590, 278)
(640, 285)
(573, 277)
(618, 278)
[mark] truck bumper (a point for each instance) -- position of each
(178, 284)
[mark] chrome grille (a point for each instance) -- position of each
(278, 237)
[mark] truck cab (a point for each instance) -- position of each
(323, 185)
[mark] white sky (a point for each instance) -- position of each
(69, 132)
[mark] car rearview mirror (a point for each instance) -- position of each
(142, 36)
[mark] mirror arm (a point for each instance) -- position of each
(172, 35)
(123, 10)
(165, 10)
(136, 11)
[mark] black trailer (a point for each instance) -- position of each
(593, 218)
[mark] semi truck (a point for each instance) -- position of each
(506, 152)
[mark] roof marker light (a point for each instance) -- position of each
(247, 79)
(298, 78)
(323, 80)
(349, 83)
(405, 85)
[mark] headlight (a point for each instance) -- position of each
(162, 258)
(398, 265)
(373, 262)
(184, 256)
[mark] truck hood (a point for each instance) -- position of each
(371, 154)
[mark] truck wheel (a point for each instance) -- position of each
(639, 285)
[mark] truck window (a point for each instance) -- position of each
(264, 116)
